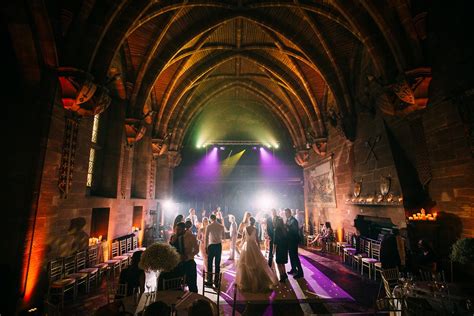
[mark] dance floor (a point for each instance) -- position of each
(328, 287)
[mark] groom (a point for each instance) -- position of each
(293, 240)
(214, 233)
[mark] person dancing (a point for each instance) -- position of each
(214, 236)
(233, 237)
(281, 247)
(242, 225)
(202, 241)
(252, 273)
(270, 233)
(293, 241)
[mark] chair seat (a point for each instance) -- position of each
(128, 254)
(361, 255)
(101, 266)
(350, 250)
(112, 262)
(77, 276)
(89, 270)
(120, 258)
(378, 264)
(369, 260)
(343, 244)
(140, 249)
(62, 283)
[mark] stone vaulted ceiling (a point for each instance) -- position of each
(176, 57)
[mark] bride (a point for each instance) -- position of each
(253, 273)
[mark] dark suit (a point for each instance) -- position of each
(270, 232)
(293, 240)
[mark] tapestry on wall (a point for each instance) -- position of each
(320, 185)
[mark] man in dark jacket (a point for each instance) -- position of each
(293, 240)
(271, 232)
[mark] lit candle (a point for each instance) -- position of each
(410, 218)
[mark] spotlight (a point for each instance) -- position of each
(198, 146)
(265, 200)
(254, 148)
(277, 146)
(168, 204)
(222, 148)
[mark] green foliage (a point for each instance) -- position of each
(463, 251)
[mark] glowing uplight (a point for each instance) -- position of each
(265, 200)
(168, 204)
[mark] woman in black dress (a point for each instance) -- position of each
(281, 242)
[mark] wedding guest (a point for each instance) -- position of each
(214, 235)
(300, 218)
(194, 220)
(177, 241)
(389, 256)
(157, 308)
(201, 307)
(242, 225)
(203, 214)
(270, 232)
(219, 217)
(191, 248)
(202, 241)
(427, 260)
(133, 276)
(281, 244)
(293, 241)
(233, 236)
(178, 219)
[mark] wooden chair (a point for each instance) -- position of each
(71, 272)
(215, 288)
(432, 276)
(340, 245)
(389, 279)
(362, 252)
(115, 252)
(177, 283)
(58, 285)
(51, 309)
(91, 271)
(92, 259)
(116, 291)
(369, 262)
(134, 243)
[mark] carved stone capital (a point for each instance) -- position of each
(174, 159)
(134, 130)
(408, 94)
(302, 158)
(320, 147)
(80, 94)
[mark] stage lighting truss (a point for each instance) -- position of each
(221, 144)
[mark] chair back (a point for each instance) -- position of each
(375, 249)
(115, 249)
(51, 309)
(92, 256)
(116, 291)
(364, 246)
(389, 304)
(174, 284)
(70, 265)
(432, 276)
(55, 270)
(134, 242)
(123, 247)
(80, 260)
(389, 279)
(129, 244)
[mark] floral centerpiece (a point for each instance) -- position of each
(159, 257)
(463, 251)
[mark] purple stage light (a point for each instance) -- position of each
(254, 148)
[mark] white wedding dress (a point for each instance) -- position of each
(253, 273)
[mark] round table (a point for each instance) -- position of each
(182, 301)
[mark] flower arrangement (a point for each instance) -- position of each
(159, 257)
(463, 251)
